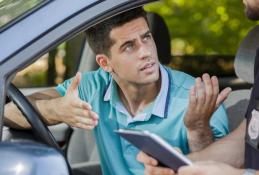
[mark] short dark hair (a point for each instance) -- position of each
(98, 36)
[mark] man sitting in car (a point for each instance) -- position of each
(131, 89)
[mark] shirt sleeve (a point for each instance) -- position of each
(92, 84)
(62, 88)
(219, 123)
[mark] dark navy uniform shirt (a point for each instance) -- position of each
(252, 151)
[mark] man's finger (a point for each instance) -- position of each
(83, 126)
(223, 95)
(215, 84)
(78, 103)
(74, 84)
(209, 97)
(200, 93)
(86, 106)
(86, 121)
(86, 114)
(192, 95)
(153, 170)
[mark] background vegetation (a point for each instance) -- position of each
(204, 27)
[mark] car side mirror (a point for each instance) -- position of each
(31, 158)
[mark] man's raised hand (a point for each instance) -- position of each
(204, 100)
(74, 111)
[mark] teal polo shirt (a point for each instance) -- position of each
(164, 116)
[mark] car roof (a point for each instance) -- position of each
(28, 38)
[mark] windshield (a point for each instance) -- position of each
(12, 9)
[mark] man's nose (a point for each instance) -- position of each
(144, 51)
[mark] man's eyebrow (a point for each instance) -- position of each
(127, 42)
(145, 34)
(132, 41)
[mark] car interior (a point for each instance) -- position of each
(238, 100)
(80, 148)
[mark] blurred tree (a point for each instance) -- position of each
(51, 71)
(203, 27)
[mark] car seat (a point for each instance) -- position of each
(82, 151)
(237, 102)
(161, 37)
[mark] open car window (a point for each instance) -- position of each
(54, 67)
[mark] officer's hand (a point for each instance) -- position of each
(74, 111)
(209, 168)
(151, 167)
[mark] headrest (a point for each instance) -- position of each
(161, 37)
(245, 57)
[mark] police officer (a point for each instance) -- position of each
(228, 153)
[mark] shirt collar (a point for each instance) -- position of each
(107, 95)
(161, 99)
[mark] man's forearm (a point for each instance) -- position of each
(15, 119)
(47, 109)
(229, 149)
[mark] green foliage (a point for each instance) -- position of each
(36, 79)
(31, 79)
(204, 27)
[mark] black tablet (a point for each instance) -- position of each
(156, 147)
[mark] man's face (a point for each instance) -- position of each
(252, 9)
(133, 56)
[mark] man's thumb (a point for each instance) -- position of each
(222, 96)
(75, 82)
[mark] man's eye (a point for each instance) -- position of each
(147, 37)
(128, 47)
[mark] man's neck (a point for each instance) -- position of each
(136, 98)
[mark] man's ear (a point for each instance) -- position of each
(103, 62)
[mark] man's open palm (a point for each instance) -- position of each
(74, 111)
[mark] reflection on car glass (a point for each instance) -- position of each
(12, 9)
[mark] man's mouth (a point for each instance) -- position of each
(148, 65)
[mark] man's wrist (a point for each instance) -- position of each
(45, 107)
(199, 132)
(199, 139)
(198, 125)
